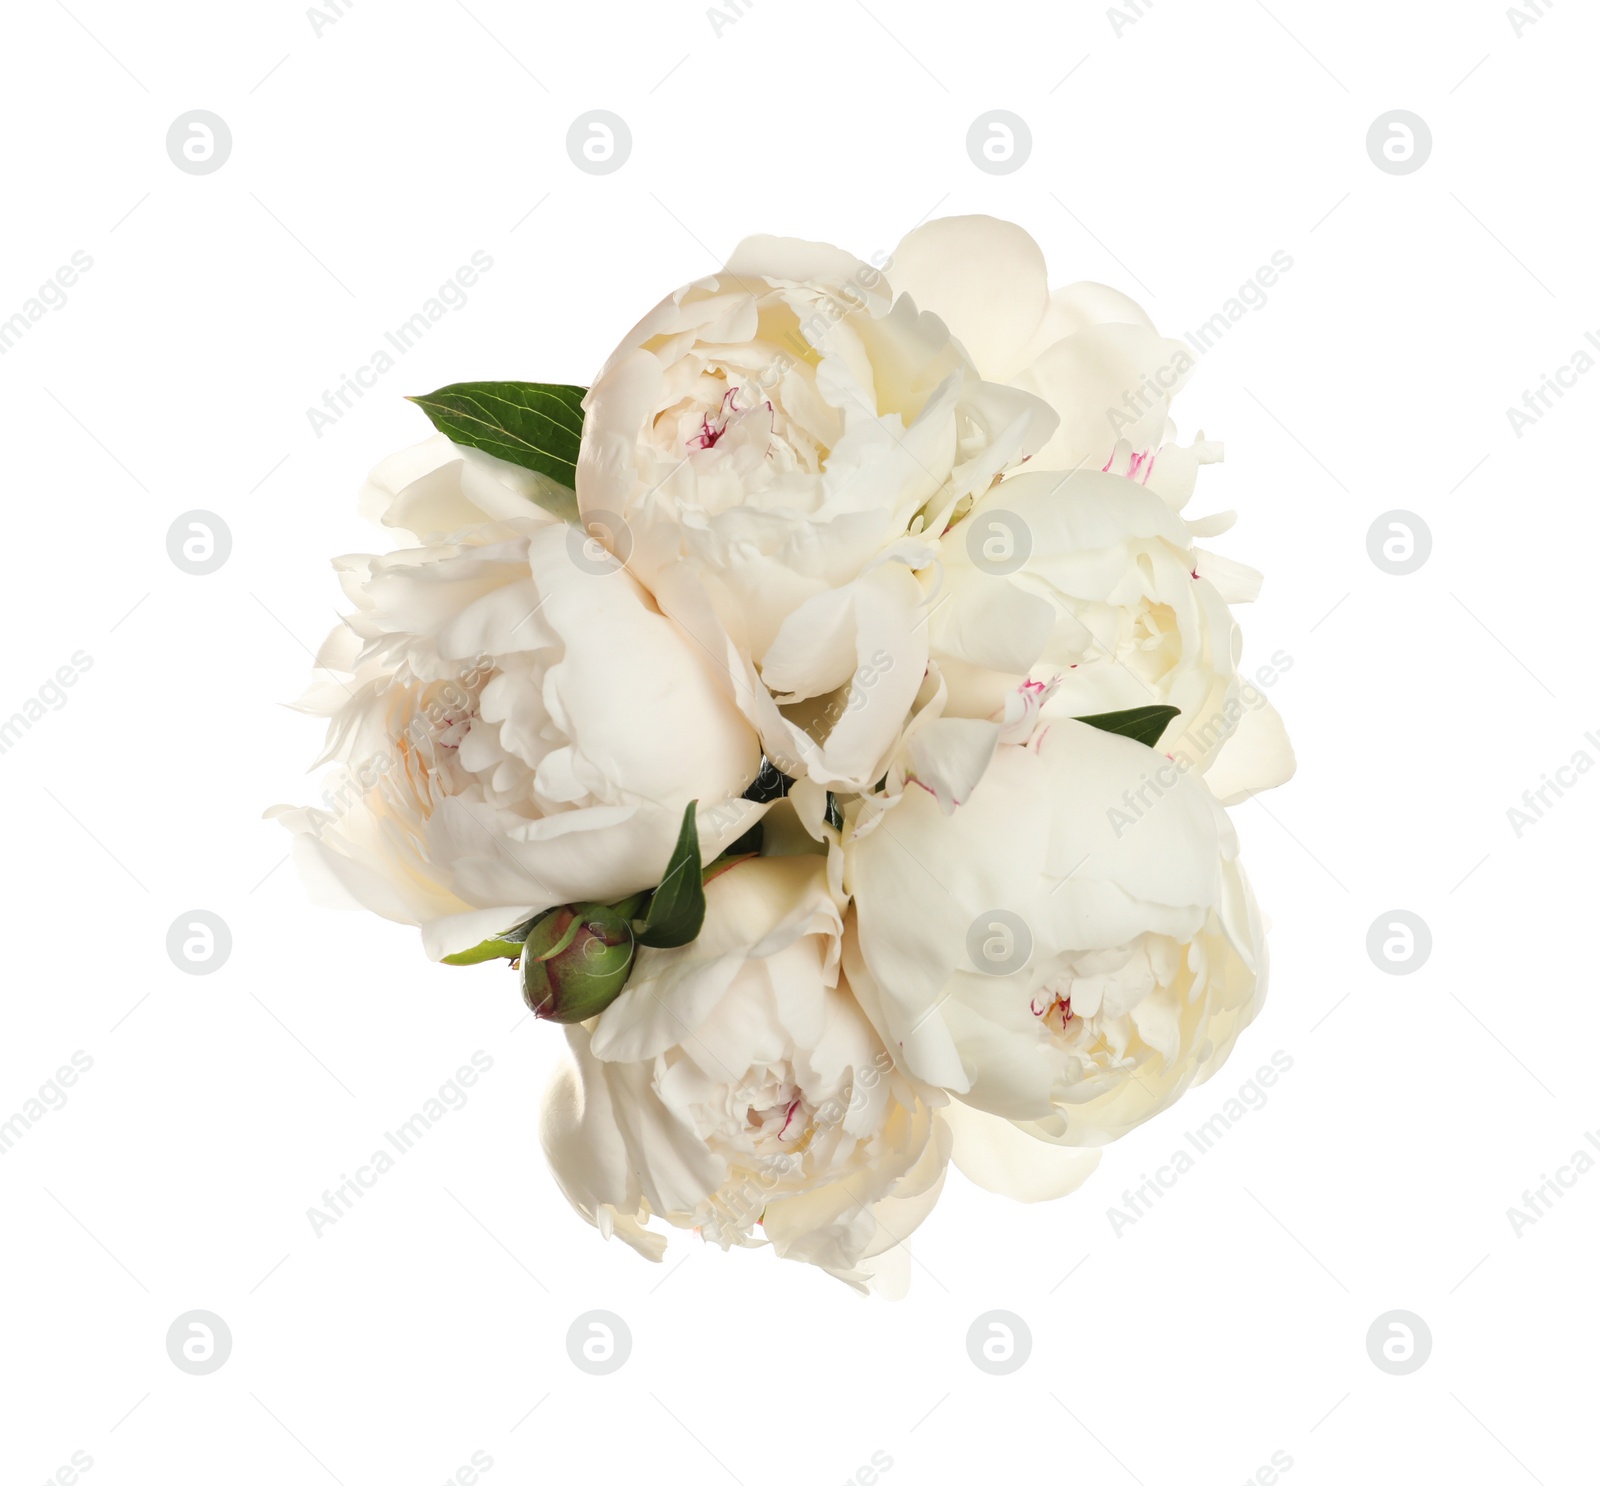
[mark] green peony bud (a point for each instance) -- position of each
(576, 962)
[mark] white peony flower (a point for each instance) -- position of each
(736, 1088)
(1071, 595)
(769, 450)
(1109, 566)
(1087, 350)
(1070, 947)
(520, 725)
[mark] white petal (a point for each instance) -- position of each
(793, 260)
(1176, 467)
(948, 758)
(1237, 582)
(985, 619)
(984, 278)
(1258, 756)
(1108, 383)
(752, 910)
(1078, 306)
(438, 487)
(997, 1156)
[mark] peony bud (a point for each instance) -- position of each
(576, 962)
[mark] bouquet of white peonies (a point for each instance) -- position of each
(829, 716)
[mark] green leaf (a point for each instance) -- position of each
(490, 949)
(833, 815)
(1142, 724)
(535, 424)
(506, 946)
(678, 906)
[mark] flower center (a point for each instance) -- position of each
(1055, 1014)
(776, 1116)
(710, 432)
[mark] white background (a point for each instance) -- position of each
(369, 162)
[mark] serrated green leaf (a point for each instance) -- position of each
(535, 424)
(678, 906)
(1142, 724)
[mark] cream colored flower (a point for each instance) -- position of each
(1080, 594)
(519, 725)
(1089, 580)
(1069, 947)
(736, 1088)
(773, 451)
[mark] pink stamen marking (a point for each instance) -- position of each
(1057, 1003)
(784, 1131)
(708, 436)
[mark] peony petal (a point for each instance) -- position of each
(752, 910)
(1237, 582)
(793, 260)
(437, 487)
(948, 757)
(1075, 308)
(1257, 756)
(994, 1154)
(1111, 382)
(984, 278)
